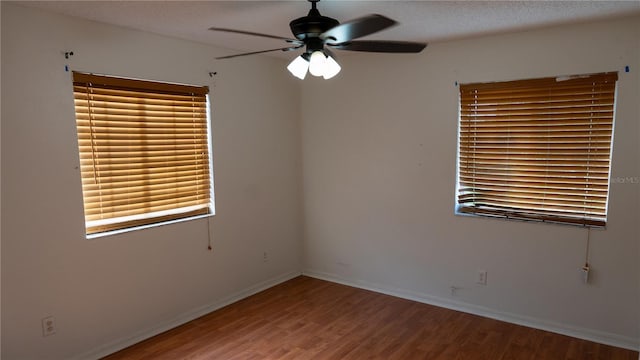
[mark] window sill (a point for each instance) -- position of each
(457, 212)
(143, 227)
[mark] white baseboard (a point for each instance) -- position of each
(559, 328)
(183, 318)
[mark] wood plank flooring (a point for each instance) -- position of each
(307, 318)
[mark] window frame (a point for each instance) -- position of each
(473, 199)
(142, 137)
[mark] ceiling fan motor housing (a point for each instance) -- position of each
(312, 25)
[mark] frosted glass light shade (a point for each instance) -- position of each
(317, 63)
(331, 68)
(298, 67)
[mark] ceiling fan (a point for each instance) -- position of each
(318, 34)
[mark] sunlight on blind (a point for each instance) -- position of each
(537, 149)
(143, 147)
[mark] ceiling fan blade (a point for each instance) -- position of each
(356, 28)
(295, 41)
(260, 52)
(381, 46)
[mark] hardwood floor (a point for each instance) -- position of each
(307, 318)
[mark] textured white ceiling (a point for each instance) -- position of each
(424, 21)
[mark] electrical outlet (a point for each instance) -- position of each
(482, 277)
(265, 257)
(48, 326)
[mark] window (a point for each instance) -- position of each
(144, 151)
(537, 149)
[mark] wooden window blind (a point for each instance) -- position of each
(144, 151)
(537, 149)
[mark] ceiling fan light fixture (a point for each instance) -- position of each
(317, 63)
(298, 67)
(331, 68)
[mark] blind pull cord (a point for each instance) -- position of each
(91, 135)
(586, 257)
(209, 240)
(209, 247)
(586, 268)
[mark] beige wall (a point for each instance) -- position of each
(109, 291)
(378, 144)
(379, 155)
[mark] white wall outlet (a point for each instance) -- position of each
(48, 326)
(482, 277)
